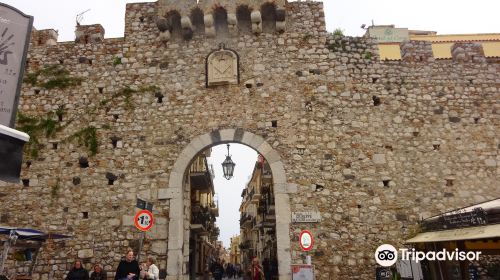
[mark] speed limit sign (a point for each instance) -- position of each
(143, 220)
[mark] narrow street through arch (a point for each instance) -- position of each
(232, 216)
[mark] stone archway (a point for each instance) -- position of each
(178, 240)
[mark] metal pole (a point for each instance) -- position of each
(141, 240)
(6, 246)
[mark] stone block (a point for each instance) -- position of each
(186, 22)
(490, 162)
(176, 231)
(209, 21)
(164, 36)
(210, 31)
(227, 134)
(168, 193)
(232, 19)
(127, 220)
(256, 17)
(175, 180)
(159, 247)
(379, 159)
(85, 253)
(278, 170)
(257, 28)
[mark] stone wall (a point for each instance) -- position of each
(373, 145)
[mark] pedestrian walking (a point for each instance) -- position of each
(256, 271)
(217, 270)
(128, 268)
(98, 273)
(78, 272)
(266, 265)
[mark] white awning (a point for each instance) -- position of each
(471, 233)
(14, 133)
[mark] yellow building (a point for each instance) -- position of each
(235, 252)
(389, 38)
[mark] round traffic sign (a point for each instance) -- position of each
(306, 240)
(143, 220)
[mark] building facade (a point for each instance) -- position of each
(204, 211)
(371, 145)
(390, 37)
(235, 252)
(258, 220)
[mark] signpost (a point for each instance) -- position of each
(15, 32)
(302, 272)
(306, 217)
(143, 221)
(306, 240)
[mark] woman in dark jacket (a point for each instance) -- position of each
(98, 273)
(78, 272)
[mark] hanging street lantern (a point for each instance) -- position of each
(228, 166)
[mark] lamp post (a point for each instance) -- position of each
(228, 166)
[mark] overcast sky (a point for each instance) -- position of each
(229, 192)
(444, 16)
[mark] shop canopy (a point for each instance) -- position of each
(470, 233)
(30, 234)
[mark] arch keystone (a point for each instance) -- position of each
(227, 134)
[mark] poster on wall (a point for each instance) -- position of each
(15, 32)
(302, 272)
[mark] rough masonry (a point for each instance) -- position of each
(373, 145)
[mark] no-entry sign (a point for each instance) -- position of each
(306, 240)
(143, 220)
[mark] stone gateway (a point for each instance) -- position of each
(372, 145)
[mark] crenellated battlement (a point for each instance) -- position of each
(215, 17)
(85, 34)
(468, 52)
(44, 37)
(427, 51)
(416, 51)
(421, 51)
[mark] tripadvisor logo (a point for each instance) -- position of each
(387, 255)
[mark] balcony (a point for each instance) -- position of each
(245, 221)
(214, 210)
(200, 176)
(246, 245)
(201, 181)
(254, 197)
(201, 220)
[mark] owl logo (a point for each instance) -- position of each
(5, 44)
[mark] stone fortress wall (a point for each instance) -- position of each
(373, 145)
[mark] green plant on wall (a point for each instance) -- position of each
(127, 93)
(88, 138)
(36, 127)
(368, 55)
(117, 61)
(338, 32)
(50, 77)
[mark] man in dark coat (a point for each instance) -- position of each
(128, 269)
(217, 270)
(78, 272)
